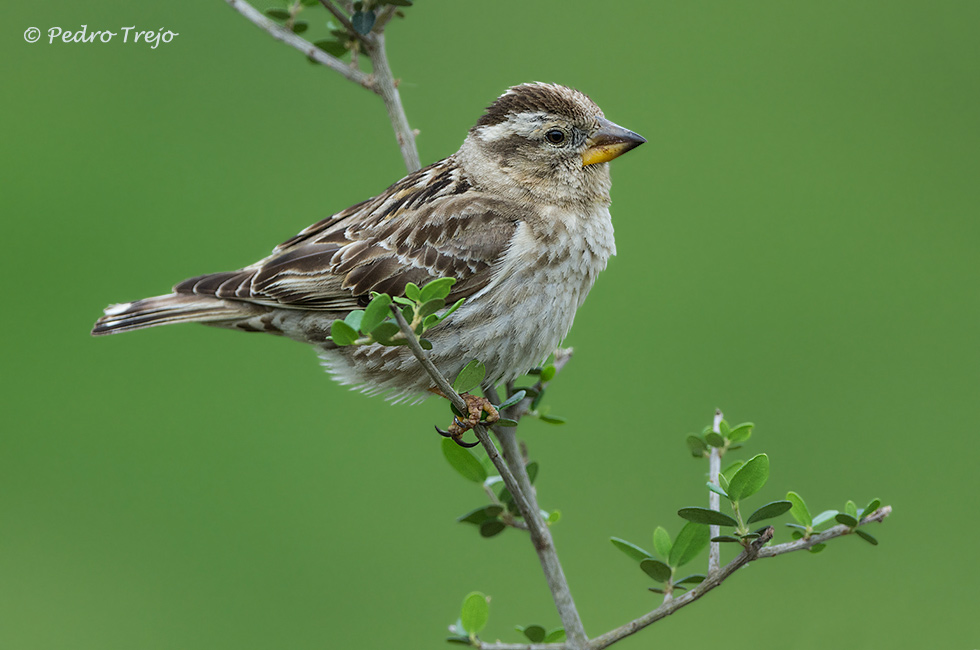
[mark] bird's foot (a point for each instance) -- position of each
(475, 408)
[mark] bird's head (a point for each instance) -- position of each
(545, 142)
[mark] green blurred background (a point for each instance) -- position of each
(798, 242)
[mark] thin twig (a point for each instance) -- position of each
(280, 33)
(386, 87)
(522, 646)
(342, 19)
(514, 474)
(754, 552)
(714, 499)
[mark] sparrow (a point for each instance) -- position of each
(519, 216)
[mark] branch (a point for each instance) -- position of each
(714, 499)
(280, 33)
(755, 551)
(386, 87)
(380, 82)
(519, 487)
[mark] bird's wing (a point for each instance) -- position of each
(429, 225)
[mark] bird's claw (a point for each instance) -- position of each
(475, 407)
(457, 438)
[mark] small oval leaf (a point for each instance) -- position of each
(799, 510)
(534, 633)
(470, 376)
(661, 542)
(866, 537)
(707, 516)
(656, 569)
(438, 288)
(632, 550)
(749, 478)
(463, 461)
(770, 510)
(692, 539)
(492, 527)
(474, 613)
(846, 519)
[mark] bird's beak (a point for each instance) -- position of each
(609, 141)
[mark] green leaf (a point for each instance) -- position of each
(385, 332)
(554, 517)
(513, 399)
(342, 333)
(354, 319)
(846, 519)
(536, 402)
(551, 419)
(458, 640)
(730, 471)
(470, 376)
(851, 509)
(706, 516)
(741, 433)
(362, 21)
(656, 569)
(694, 579)
(505, 422)
(300, 26)
(799, 510)
(690, 541)
(866, 537)
(425, 344)
(309, 3)
(463, 461)
(873, 505)
(480, 515)
(534, 633)
(824, 516)
(632, 550)
(723, 481)
(399, 3)
(532, 470)
(439, 288)
(449, 311)
(412, 292)
(661, 541)
(717, 489)
(816, 548)
(714, 439)
(555, 636)
(725, 538)
(278, 14)
(697, 446)
(475, 612)
(492, 527)
(431, 307)
(548, 373)
(770, 510)
(331, 47)
(749, 478)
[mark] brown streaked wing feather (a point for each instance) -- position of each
(428, 225)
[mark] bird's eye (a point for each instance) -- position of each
(555, 136)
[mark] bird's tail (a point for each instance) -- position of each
(164, 310)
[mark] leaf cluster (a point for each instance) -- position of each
(474, 614)
(493, 518)
(421, 307)
(690, 541)
(341, 41)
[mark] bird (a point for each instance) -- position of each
(518, 216)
